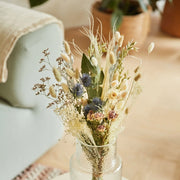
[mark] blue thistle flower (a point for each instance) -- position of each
(77, 90)
(97, 101)
(86, 79)
(87, 108)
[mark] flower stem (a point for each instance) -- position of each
(97, 170)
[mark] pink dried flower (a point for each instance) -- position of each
(98, 116)
(112, 115)
(95, 116)
(101, 128)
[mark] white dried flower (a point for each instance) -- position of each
(94, 61)
(65, 57)
(112, 58)
(67, 48)
(72, 120)
(151, 47)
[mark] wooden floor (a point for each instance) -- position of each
(150, 144)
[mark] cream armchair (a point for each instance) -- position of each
(27, 128)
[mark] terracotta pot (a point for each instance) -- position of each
(170, 22)
(134, 27)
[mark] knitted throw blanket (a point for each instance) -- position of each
(15, 22)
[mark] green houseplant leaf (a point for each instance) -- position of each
(109, 5)
(143, 5)
(36, 2)
(116, 19)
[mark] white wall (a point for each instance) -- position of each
(71, 12)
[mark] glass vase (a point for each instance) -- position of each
(95, 162)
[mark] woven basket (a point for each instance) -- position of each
(170, 22)
(134, 27)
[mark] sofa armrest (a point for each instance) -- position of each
(23, 64)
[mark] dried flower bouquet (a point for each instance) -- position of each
(93, 101)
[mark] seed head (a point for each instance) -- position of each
(151, 47)
(52, 91)
(65, 57)
(137, 77)
(57, 74)
(112, 58)
(67, 48)
(115, 76)
(65, 87)
(77, 73)
(70, 72)
(121, 40)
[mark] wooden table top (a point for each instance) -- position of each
(66, 176)
(150, 144)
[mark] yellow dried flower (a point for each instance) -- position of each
(52, 91)
(70, 72)
(57, 74)
(123, 94)
(112, 58)
(65, 57)
(77, 73)
(114, 83)
(67, 48)
(65, 87)
(112, 94)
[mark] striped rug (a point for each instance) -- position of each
(38, 172)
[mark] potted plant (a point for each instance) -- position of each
(36, 2)
(170, 22)
(130, 17)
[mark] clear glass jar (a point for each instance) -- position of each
(95, 163)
